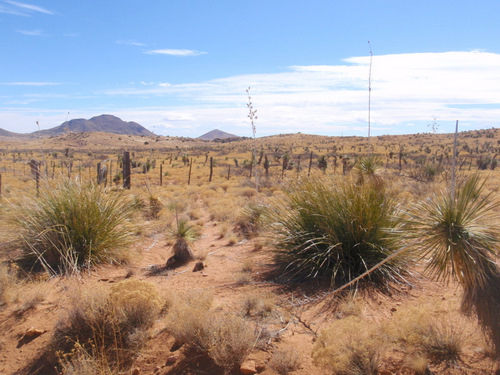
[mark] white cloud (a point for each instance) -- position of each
(408, 92)
(30, 8)
(31, 32)
(130, 43)
(175, 52)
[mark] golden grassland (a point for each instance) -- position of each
(233, 311)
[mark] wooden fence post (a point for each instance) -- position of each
(161, 174)
(189, 175)
(126, 170)
(228, 171)
(99, 173)
(310, 164)
(211, 168)
(0, 185)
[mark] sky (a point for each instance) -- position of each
(183, 67)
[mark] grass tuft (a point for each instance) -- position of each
(338, 231)
(74, 225)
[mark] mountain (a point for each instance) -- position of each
(6, 133)
(102, 123)
(216, 134)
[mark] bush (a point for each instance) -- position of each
(109, 326)
(349, 347)
(417, 332)
(226, 339)
(338, 231)
(457, 235)
(74, 225)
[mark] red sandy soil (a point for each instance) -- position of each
(224, 278)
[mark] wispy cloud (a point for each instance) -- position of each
(406, 89)
(130, 43)
(26, 9)
(31, 32)
(31, 83)
(175, 52)
(408, 92)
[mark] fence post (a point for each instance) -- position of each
(126, 170)
(0, 185)
(190, 166)
(211, 168)
(310, 164)
(99, 178)
(161, 174)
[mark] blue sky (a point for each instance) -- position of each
(181, 67)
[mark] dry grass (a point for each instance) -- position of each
(9, 284)
(418, 332)
(349, 346)
(110, 326)
(285, 361)
(225, 338)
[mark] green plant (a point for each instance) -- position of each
(457, 235)
(338, 231)
(368, 165)
(183, 235)
(74, 225)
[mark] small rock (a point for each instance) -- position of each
(171, 360)
(394, 309)
(248, 367)
(136, 371)
(198, 266)
(157, 369)
(260, 367)
(33, 332)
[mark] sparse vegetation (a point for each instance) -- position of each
(339, 216)
(338, 230)
(458, 236)
(74, 225)
(109, 326)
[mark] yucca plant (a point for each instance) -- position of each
(458, 238)
(183, 234)
(338, 231)
(74, 225)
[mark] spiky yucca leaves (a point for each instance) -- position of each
(338, 231)
(74, 224)
(458, 237)
(184, 234)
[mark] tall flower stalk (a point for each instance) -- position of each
(252, 115)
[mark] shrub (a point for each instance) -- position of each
(110, 326)
(338, 231)
(349, 347)
(74, 225)
(417, 332)
(284, 361)
(226, 339)
(8, 284)
(184, 234)
(457, 235)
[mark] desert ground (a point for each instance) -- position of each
(232, 308)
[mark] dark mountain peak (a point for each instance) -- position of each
(103, 123)
(216, 134)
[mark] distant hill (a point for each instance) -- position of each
(102, 123)
(216, 134)
(6, 133)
